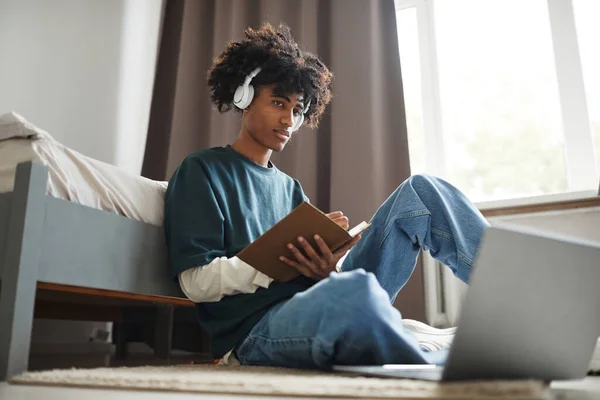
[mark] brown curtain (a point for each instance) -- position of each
(357, 156)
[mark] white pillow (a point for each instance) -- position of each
(12, 125)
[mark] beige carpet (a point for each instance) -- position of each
(277, 381)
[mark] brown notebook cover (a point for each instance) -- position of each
(305, 220)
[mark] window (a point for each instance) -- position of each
(588, 31)
(411, 84)
(499, 99)
(496, 111)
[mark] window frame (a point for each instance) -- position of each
(582, 170)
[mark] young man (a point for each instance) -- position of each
(221, 199)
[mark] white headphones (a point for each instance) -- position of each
(300, 118)
(245, 93)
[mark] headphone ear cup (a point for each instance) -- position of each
(298, 122)
(238, 96)
(243, 96)
(249, 96)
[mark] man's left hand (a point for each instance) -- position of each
(339, 218)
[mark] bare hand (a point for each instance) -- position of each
(339, 218)
(317, 266)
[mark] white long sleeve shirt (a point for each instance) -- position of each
(222, 277)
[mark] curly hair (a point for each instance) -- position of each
(282, 63)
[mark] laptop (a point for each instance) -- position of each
(532, 311)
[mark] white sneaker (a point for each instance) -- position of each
(429, 338)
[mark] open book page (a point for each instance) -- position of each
(352, 233)
(359, 228)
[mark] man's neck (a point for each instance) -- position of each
(253, 150)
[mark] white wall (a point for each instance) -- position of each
(82, 70)
(582, 223)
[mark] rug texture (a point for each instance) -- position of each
(277, 382)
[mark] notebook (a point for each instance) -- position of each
(305, 220)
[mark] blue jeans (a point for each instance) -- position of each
(348, 318)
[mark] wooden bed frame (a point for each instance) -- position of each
(49, 245)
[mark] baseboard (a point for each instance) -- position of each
(71, 348)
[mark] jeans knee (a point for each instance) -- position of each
(362, 310)
(422, 180)
(361, 291)
(422, 188)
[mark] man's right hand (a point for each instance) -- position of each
(317, 264)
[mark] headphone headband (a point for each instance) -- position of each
(306, 107)
(251, 75)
